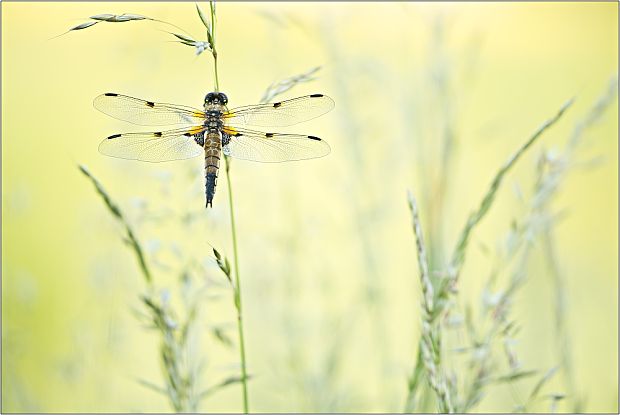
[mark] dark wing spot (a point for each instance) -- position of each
(157, 134)
(110, 94)
(268, 135)
(187, 134)
(316, 95)
(150, 104)
(311, 137)
(276, 104)
(114, 136)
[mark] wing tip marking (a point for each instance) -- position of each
(110, 94)
(316, 95)
(311, 137)
(114, 136)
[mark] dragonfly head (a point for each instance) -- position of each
(216, 98)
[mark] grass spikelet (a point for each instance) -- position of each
(429, 345)
(284, 85)
(223, 263)
(552, 172)
(115, 18)
(432, 335)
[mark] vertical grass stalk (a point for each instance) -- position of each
(237, 293)
(212, 41)
(233, 231)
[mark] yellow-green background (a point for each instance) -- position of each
(314, 236)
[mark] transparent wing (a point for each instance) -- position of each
(272, 147)
(141, 112)
(280, 114)
(169, 145)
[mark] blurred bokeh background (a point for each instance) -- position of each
(431, 98)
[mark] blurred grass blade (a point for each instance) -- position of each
(226, 382)
(115, 210)
(475, 218)
(541, 383)
(516, 376)
(152, 386)
(221, 336)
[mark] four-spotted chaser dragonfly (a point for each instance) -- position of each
(213, 131)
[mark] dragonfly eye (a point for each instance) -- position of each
(210, 97)
(223, 98)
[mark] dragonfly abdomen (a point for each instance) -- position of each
(212, 146)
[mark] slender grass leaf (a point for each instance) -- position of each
(516, 376)
(226, 382)
(542, 382)
(203, 18)
(458, 256)
(115, 210)
(183, 37)
(222, 337)
(152, 386)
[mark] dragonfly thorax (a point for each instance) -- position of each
(213, 121)
(214, 125)
(213, 113)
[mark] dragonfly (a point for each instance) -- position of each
(213, 131)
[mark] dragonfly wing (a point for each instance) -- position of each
(280, 114)
(272, 147)
(141, 112)
(154, 147)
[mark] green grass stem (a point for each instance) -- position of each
(233, 231)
